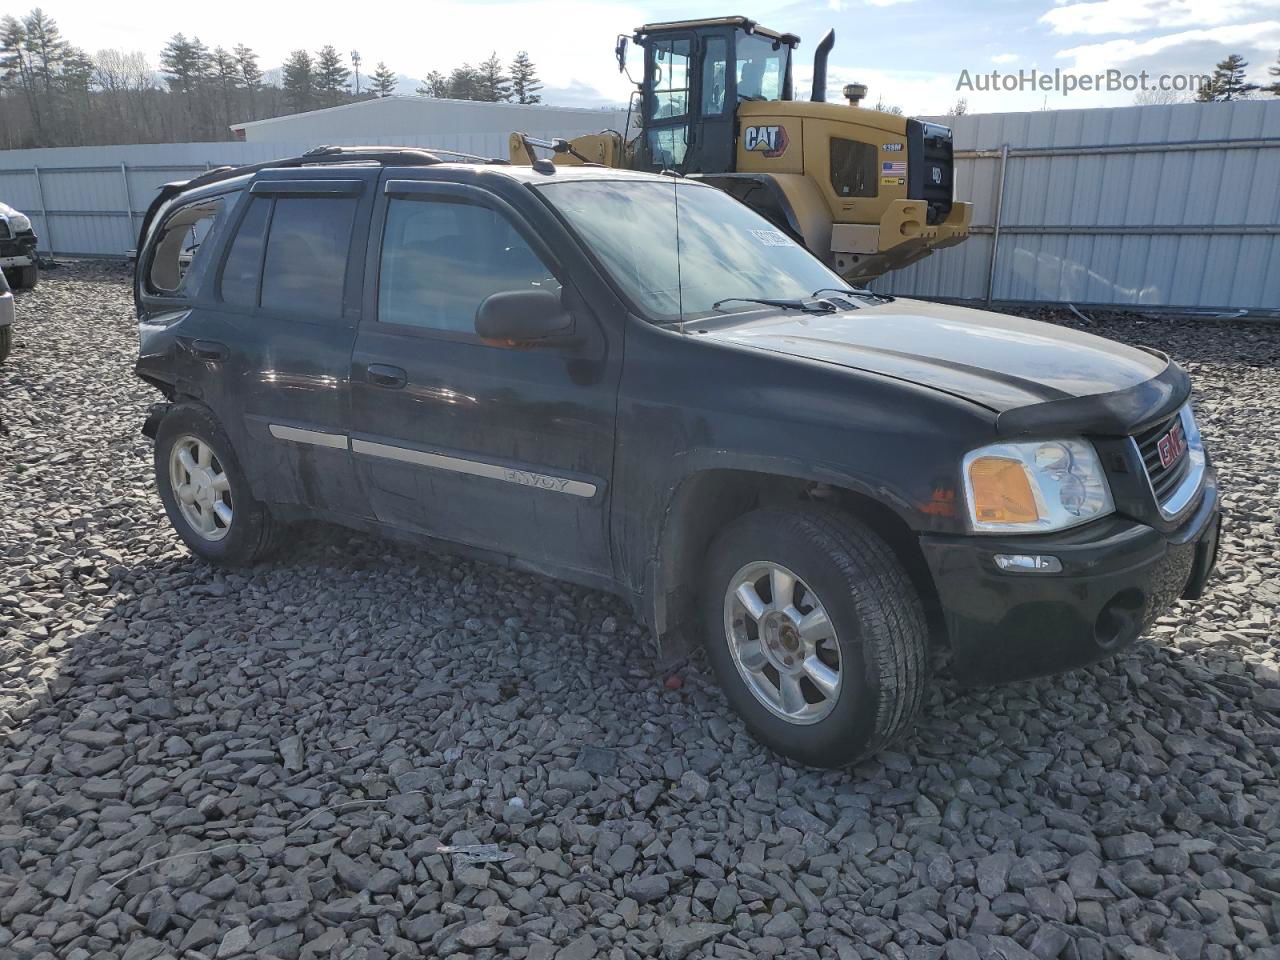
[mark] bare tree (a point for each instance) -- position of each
(1155, 98)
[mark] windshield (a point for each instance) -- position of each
(725, 249)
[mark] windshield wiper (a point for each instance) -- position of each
(807, 306)
(862, 292)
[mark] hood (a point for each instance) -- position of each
(993, 359)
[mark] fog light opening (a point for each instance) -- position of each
(1028, 563)
(1120, 620)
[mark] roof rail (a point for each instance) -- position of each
(387, 156)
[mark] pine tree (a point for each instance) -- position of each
(250, 74)
(384, 81)
(226, 76)
(1227, 82)
(355, 65)
(43, 42)
(436, 84)
(17, 69)
(464, 83)
(1274, 88)
(298, 81)
(178, 64)
(491, 82)
(330, 76)
(524, 79)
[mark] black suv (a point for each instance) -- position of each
(634, 382)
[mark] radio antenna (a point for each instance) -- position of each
(675, 196)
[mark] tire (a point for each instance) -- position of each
(27, 277)
(249, 534)
(875, 644)
(6, 342)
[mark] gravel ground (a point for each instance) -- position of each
(196, 763)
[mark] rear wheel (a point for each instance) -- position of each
(205, 492)
(6, 342)
(816, 633)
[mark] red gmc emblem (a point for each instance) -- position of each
(1171, 446)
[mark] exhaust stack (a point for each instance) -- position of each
(820, 66)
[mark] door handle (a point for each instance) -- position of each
(385, 375)
(208, 350)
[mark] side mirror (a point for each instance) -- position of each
(620, 51)
(522, 316)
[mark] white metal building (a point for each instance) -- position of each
(375, 121)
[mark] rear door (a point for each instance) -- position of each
(278, 337)
(498, 446)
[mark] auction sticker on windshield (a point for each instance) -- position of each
(772, 238)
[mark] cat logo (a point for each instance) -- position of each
(768, 141)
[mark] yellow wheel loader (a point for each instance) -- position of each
(866, 191)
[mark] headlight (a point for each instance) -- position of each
(1035, 487)
(19, 222)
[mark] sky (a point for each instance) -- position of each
(911, 53)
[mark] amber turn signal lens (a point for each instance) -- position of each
(1001, 491)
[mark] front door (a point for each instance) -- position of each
(498, 446)
(669, 101)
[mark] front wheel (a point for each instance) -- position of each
(205, 492)
(816, 633)
(25, 278)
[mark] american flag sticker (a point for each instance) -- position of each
(894, 168)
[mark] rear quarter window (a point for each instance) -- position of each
(182, 247)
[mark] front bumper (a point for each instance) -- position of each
(1117, 576)
(19, 251)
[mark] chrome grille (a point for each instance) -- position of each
(1164, 480)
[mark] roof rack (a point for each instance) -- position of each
(387, 156)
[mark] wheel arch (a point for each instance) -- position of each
(706, 501)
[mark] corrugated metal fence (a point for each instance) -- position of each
(1173, 205)
(1157, 206)
(89, 201)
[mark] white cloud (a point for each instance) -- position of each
(1174, 51)
(1005, 58)
(886, 3)
(1102, 17)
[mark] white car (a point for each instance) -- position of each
(17, 248)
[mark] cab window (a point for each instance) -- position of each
(761, 67)
(670, 78)
(180, 250)
(441, 259)
(714, 69)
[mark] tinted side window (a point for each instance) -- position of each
(440, 260)
(179, 253)
(306, 262)
(241, 271)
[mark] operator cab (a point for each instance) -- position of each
(696, 72)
